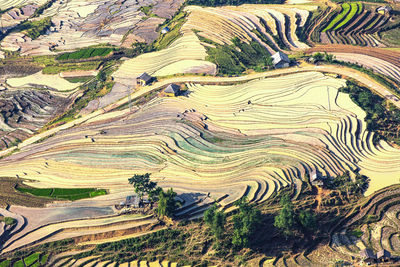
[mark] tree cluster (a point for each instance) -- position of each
(288, 220)
(167, 205)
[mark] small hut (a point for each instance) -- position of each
(315, 179)
(383, 255)
(280, 60)
(144, 79)
(172, 90)
(383, 10)
(165, 30)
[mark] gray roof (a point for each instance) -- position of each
(172, 88)
(385, 8)
(280, 57)
(367, 254)
(145, 77)
(383, 253)
(132, 200)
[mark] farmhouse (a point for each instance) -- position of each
(384, 10)
(315, 179)
(280, 60)
(165, 30)
(144, 79)
(367, 255)
(383, 255)
(132, 201)
(172, 90)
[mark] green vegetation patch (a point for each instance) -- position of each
(354, 9)
(175, 26)
(236, 58)
(5, 263)
(339, 18)
(64, 193)
(34, 29)
(382, 117)
(32, 259)
(81, 79)
(86, 53)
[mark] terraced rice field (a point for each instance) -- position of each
(215, 141)
(187, 54)
(5, 4)
(376, 64)
(223, 24)
(24, 112)
(383, 232)
(82, 23)
(47, 81)
(184, 55)
(354, 26)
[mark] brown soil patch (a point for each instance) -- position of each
(10, 196)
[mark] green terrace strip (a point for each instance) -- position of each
(31, 259)
(338, 18)
(5, 263)
(360, 8)
(86, 53)
(63, 193)
(354, 8)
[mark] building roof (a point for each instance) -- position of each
(132, 200)
(280, 57)
(313, 175)
(383, 254)
(385, 8)
(367, 254)
(145, 77)
(172, 88)
(166, 29)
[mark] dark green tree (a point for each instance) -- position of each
(216, 221)
(285, 220)
(167, 204)
(307, 220)
(143, 185)
(245, 223)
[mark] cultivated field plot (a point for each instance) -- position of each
(261, 23)
(354, 25)
(81, 23)
(44, 81)
(184, 55)
(376, 64)
(24, 112)
(220, 139)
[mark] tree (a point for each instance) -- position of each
(329, 57)
(143, 185)
(285, 220)
(167, 204)
(216, 221)
(307, 220)
(245, 223)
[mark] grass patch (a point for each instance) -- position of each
(34, 29)
(19, 263)
(32, 259)
(63, 193)
(339, 17)
(5, 263)
(356, 233)
(147, 10)
(81, 79)
(354, 8)
(86, 53)
(175, 26)
(9, 221)
(236, 58)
